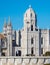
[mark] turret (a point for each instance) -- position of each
(5, 28)
(9, 37)
(9, 26)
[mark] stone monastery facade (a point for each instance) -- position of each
(30, 42)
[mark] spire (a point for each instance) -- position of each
(9, 21)
(5, 24)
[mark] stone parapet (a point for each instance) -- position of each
(25, 60)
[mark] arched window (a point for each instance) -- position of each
(32, 41)
(31, 21)
(41, 50)
(31, 27)
(18, 53)
(31, 14)
(41, 40)
(32, 51)
(3, 54)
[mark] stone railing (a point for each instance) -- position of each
(25, 60)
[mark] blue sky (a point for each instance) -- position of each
(16, 8)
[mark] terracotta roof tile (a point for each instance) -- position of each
(2, 36)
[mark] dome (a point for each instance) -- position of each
(29, 12)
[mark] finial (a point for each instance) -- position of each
(29, 6)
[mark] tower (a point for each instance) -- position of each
(5, 28)
(30, 38)
(9, 37)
